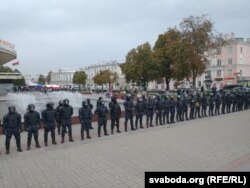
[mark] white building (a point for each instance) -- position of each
(113, 66)
(64, 77)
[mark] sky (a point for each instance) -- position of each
(53, 34)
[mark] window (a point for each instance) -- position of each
(218, 73)
(218, 51)
(230, 49)
(229, 72)
(218, 62)
(241, 50)
(230, 61)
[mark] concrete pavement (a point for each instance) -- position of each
(219, 143)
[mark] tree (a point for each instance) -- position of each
(199, 38)
(166, 54)
(105, 77)
(48, 78)
(41, 79)
(5, 69)
(139, 66)
(19, 82)
(80, 77)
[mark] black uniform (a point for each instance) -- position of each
(217, 105)
(211, 105)
(129, 107)
(66, 113)
(102, 112)
(185, 108)
(158, 110)
(204, 106)
(139, 111)
(150, 105)
(91, 108)
(166, 110)
(32, 121)
(115, 114)
(179, 109)
(12, 126)
(172, 105)
(48, 119)
(192, 107)
(198, 106)
(85, 115)
(58, 118)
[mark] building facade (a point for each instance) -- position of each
(230, 65)
(63, 78)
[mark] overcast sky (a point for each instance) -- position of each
(53, 34)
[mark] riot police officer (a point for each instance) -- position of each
(85, 116)
(129, 107)
(150, 105)
(139, 111)
(192, 106)
(66, 113)
(204, 105)
(12, 126)
(48, 119)
(217, 104)
(198, 106)
(172, 105)
(58, 118)
(90, 106)
(165, 110)
(223, 101)
(185, 107)
(179, 109)
(115, 114)
(158, 110)
(102, 112)
(32, 122)
(98, 102)
(211, 105)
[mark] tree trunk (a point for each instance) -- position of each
(167, 83)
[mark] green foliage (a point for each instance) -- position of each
(6, 69)
(41, 79)
(80, 78)
(104, 77)
(139, 66)
(48, 78)
(19, 82)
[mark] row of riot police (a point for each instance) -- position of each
(168, 109)
(12, 124)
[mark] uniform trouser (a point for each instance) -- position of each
(165, 116)
(217, 110)
(234, 107)
(85, 125)
(223, 106)
(66, 123)
(58, 123)
(179, 115)
(197, 111)
(115, 122)
(49, 127)
(138, 118)
(185, 113)
(191, 113)
(149, 118)
(102, 122)
(129, 116)
(33, 130)
(9, 133)
(204, 111)
(211, 110)
(228, 108)
(172, 114)
(158, 117)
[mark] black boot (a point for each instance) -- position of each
(7, 146)
(105, 131)
(88, 136)
(70, 135)
(99, 131)
(37, 142)
(126, 127)
(46, 138)
(28, 143)
(112, 131)
(18, 144)
(53, 136)
(82, 135)
(118, 130)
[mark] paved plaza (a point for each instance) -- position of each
(219, 143)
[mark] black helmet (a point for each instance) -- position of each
(88, 101)
(60, 102)
(100, 98)
(102, 102)
(113, 98)
(31, 107)
(50, 105)
(84, 104)
(66, 102)
(12, 109)
(128, 97)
